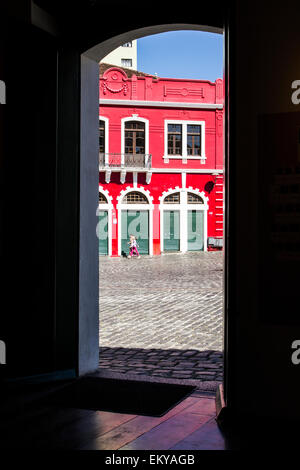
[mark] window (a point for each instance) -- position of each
(185, 139)
(193, 139)
(126, 62)
(102, 199)
(101, 136)
(174, 139)
(134, 137)
(135, 140)
(127, 44)
(134, 197)
(194, 199)
(172, 199)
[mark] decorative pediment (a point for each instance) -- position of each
(115, 81)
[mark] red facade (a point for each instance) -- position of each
(161, 137)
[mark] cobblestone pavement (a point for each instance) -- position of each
(162, 316)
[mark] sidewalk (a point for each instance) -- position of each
(162, 316)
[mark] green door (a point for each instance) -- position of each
(102, 232)
(135, 223)
(195, 230)
(171, 231)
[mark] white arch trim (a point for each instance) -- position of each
(188, 190)
(134, 117)
(100, 50)
(121, 206)
(105, 193)
(106, 135)
(183, 208)
(201, 194)
(109, 208)
(139, 189)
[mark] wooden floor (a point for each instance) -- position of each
(190, 425)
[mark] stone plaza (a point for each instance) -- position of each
(162, 317)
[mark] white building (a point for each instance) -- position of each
(123, 56)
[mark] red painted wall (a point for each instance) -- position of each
(114, 85)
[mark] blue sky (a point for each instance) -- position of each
(182, 54)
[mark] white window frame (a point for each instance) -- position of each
(139, 119)
(183, 207)
(184, 155)
(109, 208)
(106, 133)
(127, 59)
(137, 207)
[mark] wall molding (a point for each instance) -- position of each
(160, 104)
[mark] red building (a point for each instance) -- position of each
(160, 163)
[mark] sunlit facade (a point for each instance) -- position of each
(160, 163)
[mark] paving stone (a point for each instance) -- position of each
(186, 364)
(160, 374)
(201, 355)
(183, 372)
(167, 363)
(169, 322)
(182, 376)
(204, 373)
(207, 365)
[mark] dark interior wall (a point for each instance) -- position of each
(264, 278)
(86, 23)
(28, 169)
(67, 209)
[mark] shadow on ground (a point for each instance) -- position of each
(169, 363)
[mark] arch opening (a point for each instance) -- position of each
(147, 207)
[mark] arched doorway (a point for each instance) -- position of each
(104, 226)
(135, 217)
(183, 220)
(89, 153)
(170, 222)
(196, 211)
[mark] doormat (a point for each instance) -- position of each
(120, 396)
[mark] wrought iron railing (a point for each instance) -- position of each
(125, 160)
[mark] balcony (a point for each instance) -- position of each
(125, 162)
(120, 161)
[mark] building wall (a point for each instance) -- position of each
(115, 57)
(157, 101)
(160, 183)
(157, 118)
